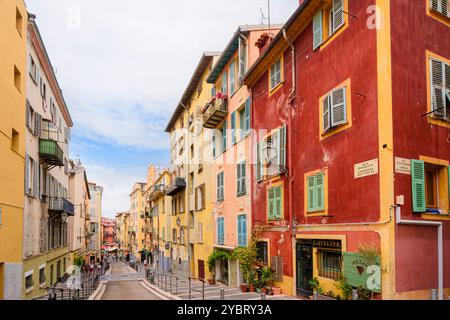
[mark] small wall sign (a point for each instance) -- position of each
(402, 165)
(365, 169)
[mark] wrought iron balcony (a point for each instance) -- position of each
(51, 153)
(215, 112)
(177, 185)
(61, 205)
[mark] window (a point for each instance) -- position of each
(29, 283)
(33, 70)
(200, 198)
(263, 252)
(441, 6)
(233, 77)
(430, 187)
(275, 74)
(17, 79)
(233, 128)
(14, 140)
(241, 175)
(334, 109)
(220, 186)
(330, 263)
(42, 275)
(242, 59)
(174, 236)
(182, 236)
(223, 132)
(271, 154)
(200, 233)
(328, 22)
(174, 206)
(220, 231)
(214, 148)
(242, 230)
(244, 120)
(440, 89)
(19, 21)
(315, 192)
(224, 84)
(191, 183)
(275, 203)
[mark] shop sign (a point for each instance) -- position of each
(362, 271)
(327, 244)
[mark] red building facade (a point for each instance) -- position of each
(335, 165)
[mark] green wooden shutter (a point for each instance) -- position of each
(258, 161)
(233, 128)
(317, 30)
(247, 117)
(311, 184)
(320, 203)
(271, 206)
(418, 185)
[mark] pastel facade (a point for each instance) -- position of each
(13, 70)
(227, 117)
(357, 176)
(191, 182)
(108, 235)
(136, 221)
(122, 233)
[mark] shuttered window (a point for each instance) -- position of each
(418, 185)
(241, 177)
(224, 136)
(232, 77)
(334, 109)
(214, 147)
(441, 6)
(220, 187)
(242, 59)
(316, 192)
(233, 128)
(440, 88)
(337, 15)
(246, 124)
(275, 204)
(259, 167)
(317, 30)
(220, 231)
(224, 86)
(242, 230)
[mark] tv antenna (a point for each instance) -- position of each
(263, 17)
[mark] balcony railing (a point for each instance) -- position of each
(215, 112)
(176, 186)
(51, 153)
(60, 205)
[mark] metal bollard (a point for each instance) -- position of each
(434, 295)
(263, 296)
(315, 296)
(354, 294)
(222, 294)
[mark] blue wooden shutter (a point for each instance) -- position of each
(243, 178)
(242, 230)
(224, 136)
(218, 187)
(320, 202)
(232, 77)
(233, 128)
(418, 185)
(247, 117)
(317, 30)
(311, 201)
(278, 203)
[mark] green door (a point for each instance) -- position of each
(304, 263)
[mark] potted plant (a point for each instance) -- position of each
(251, 281)
(247, 257)
(265, 279)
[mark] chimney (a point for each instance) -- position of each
(264, 41)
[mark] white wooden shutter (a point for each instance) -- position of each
(36, 179)
(437, 88)
(338, 107)
(326, 113)
(338, 14)
(27, 174)
(282, 144)
(259, 167)
(440, 6)
(317, 30)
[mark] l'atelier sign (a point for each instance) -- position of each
(328, 244)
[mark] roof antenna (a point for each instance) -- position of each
(263, 17)
(268, 10)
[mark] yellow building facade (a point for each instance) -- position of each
(191, 184)
(13, 26)
(136, 239)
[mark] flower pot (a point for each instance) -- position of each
(211, 282)
(276, 291)
(264, 290)
(244, 288)
(251, 288)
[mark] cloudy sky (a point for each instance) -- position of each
(123, 66)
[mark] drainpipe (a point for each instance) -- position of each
(291, 106)
(398, 215)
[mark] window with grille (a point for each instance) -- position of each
(330, 264)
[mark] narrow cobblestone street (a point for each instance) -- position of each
(118, 289)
